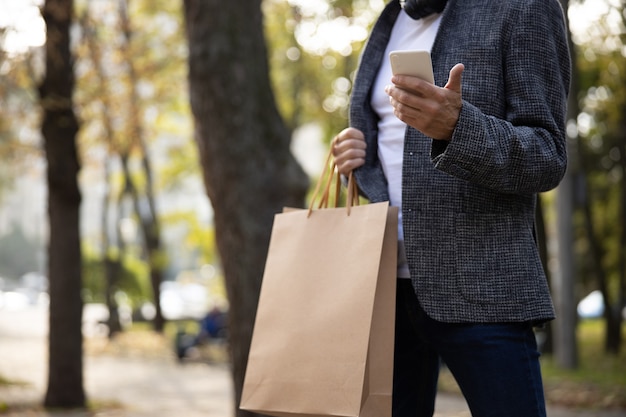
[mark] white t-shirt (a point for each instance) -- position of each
(407, 34)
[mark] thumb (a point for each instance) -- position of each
(454, 82)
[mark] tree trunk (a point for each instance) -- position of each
(148, 218)
(596, 254)
(563, 282)
(152, 243)
(621, 297)
(112, 265)
(547, 345)
(614, 325)
(59, 128)
(249, 172)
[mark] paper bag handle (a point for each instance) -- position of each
(328, 175)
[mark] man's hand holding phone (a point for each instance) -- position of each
(419, 103)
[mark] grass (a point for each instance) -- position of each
(6, 382)
(599, 381)
(600, 378)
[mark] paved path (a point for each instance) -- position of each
(139, 386)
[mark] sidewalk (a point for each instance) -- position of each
(133, 385)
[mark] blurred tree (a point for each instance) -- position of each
(59, 128)
(146, 212)
(132, 279)
(5, 137)
(563, 282)
(547, 345)
(18, 120)
(602, 151)
(111, 247)
(128, 107)
(249, 172)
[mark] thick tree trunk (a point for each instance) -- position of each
(59, 128)
(249, 172)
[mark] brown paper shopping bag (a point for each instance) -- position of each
(323, 337)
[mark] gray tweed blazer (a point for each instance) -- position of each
(469, 204)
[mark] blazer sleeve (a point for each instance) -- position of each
(525, 150)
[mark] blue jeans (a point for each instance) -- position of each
(495, 365)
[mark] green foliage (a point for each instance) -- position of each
(313, 52)
(133, 279)
(198, 239)
(105, 93)
(17, 104)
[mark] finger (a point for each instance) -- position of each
(349, 154)
(346, 166)
(455, 79)
(349, 149)
(407, 106)
(350, 133)
(347, 139)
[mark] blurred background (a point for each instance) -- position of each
(150, 227)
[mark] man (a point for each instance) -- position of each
(464, 160)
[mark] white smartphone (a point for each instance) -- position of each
(414, 63)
